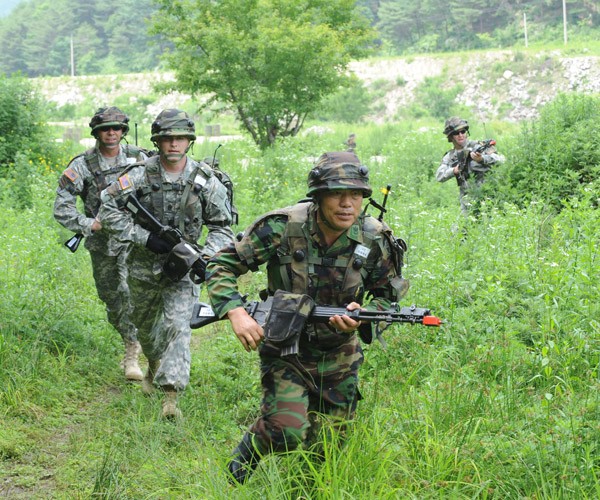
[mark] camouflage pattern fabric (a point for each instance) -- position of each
(338, 170)
(107, 255)
(78, 180)
(324, 377)
(162, 309)
(475, 171)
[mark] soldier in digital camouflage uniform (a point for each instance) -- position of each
(86, 176)
(183, 194)
(478, 164)
(326, 249)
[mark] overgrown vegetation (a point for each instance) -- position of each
(502, 402)
(25, 146)
(557, 157)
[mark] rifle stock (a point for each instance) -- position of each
(204, 315)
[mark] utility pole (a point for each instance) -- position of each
(72, 58)
(564, 2)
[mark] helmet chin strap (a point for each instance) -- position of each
(321, 217)
(179, 156)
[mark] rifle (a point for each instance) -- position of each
(184, 256)
(464, 157)
(259, 310)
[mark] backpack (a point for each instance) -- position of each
(213, 163)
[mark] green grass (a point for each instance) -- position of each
(501, 402)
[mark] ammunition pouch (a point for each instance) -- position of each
(180, 260)
(286, 320)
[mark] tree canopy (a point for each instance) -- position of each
(111, 36)
(270, 62)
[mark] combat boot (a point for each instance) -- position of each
(169, 405)
(130, 362)
(245, 460)
(147, 382)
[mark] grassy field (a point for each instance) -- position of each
(501, 402)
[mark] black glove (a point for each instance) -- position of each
(157, 245)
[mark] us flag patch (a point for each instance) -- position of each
(70, 174)
(125, 182)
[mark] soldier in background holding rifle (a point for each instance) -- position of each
(161, 208)
(325, 250)
(86, 176)
(468, 162)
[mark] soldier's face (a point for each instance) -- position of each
(459, 138)
(173, 148)
(110, 137)
(341, 208)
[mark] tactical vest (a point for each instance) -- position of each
(93, 163)
(296, 255)
(183, 215)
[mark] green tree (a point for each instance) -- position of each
(269, 61)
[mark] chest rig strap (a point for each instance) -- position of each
(92, 160)
(302, 257)
(156, 189)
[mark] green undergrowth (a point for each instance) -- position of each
(502, 401)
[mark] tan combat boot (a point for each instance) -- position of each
(130, 362)
(147, 385)
(169, 405)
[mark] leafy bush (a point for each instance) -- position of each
(21, 119)
(557, 156)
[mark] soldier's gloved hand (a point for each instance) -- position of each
(157, 245)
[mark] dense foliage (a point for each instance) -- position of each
(24, 142)
(111, 36)
(502, 402)
(440, 25)
(269, 62)
(108, 36)
(557, 157)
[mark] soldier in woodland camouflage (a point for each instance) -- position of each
(183, 194)
(327, 249)
(477, 164)
(86, 176)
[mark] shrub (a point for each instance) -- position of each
(21, 119)
(557, 156)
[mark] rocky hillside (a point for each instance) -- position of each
(505, 85)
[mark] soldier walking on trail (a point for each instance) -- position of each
(328, 249)
(86, 176)
(468, 161)
(350, 143)
(185, 195)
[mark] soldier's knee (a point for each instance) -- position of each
(287, 434)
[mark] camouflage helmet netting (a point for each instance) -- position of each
(453, 124)
(338, 170)
(170, 122)
(111, 115)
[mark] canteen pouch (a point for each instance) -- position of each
(287, 318)
(179, 261)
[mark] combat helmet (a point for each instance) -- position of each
(170, 122)
(338, 170)
(105, 117)
(453, 124)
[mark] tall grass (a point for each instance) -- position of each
(501, 402)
